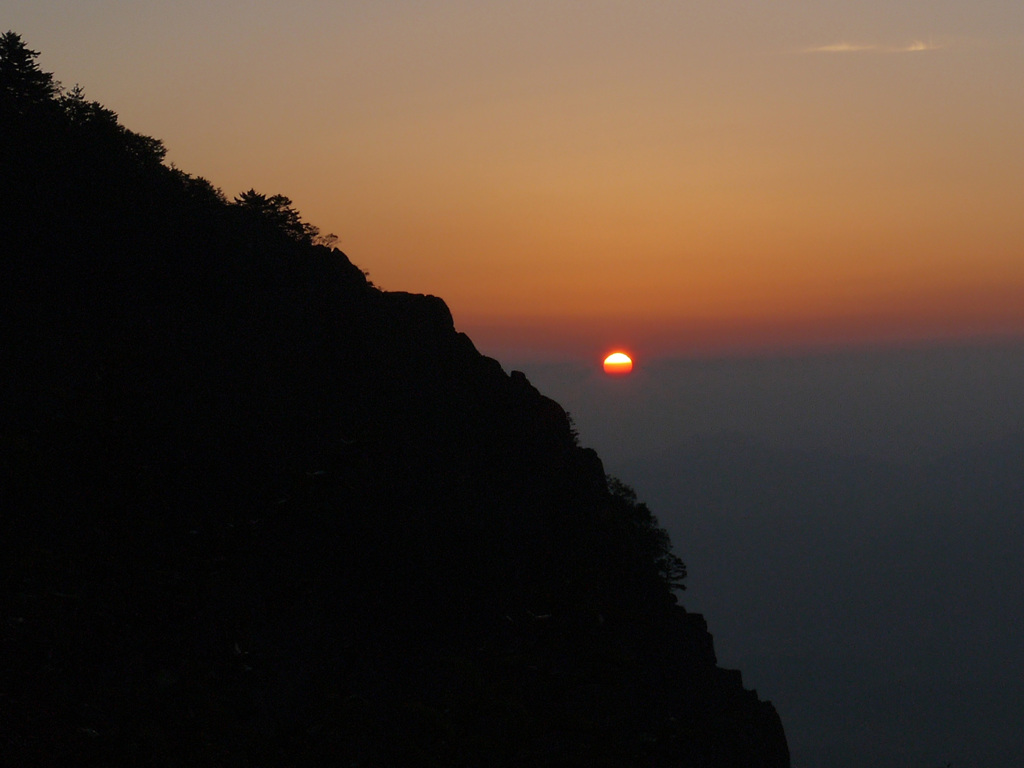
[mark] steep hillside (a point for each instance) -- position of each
(258, 512)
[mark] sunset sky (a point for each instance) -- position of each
(688, 181)
(673, 177)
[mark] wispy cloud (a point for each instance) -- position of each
(844, 47)
(841, 48)
(917, 45)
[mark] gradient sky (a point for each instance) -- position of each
(674, 177)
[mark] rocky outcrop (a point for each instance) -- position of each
(259, 512)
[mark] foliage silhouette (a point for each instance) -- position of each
(275, 213)
(23, 86)
(258, 512)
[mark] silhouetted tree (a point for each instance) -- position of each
(276, 213)
(23, 85)
(81, 112)
(650, 542)
(96, 123)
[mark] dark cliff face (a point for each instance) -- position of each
(258, 512)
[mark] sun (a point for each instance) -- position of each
(618, 363)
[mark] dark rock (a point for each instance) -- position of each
(258, 512)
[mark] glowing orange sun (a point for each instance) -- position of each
(618, 363)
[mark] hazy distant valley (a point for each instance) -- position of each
(853, 521)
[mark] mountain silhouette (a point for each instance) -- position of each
(257, 511)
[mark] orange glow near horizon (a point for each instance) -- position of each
(684, 174)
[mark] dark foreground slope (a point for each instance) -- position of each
(257, 512)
